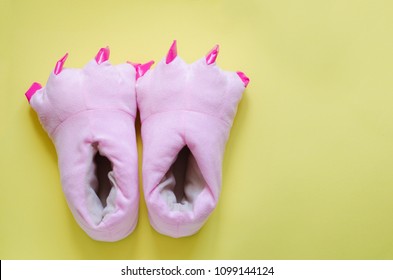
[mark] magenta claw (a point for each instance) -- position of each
(243, 77)
(212, 55)
(102, 55)
(172, 53)
(59, 64)
(32, 90)
(141, 69)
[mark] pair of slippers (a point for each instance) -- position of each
(186, 113)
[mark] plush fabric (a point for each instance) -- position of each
(186, 114)
(89, 114)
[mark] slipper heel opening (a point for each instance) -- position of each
(183, 182)
(101, 186)
(103, 169)
(179, 168)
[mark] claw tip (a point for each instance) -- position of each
(59, 64)
(102, 55)
(32, 90)
(141, 69)
(172, 53)
(244, 78)
(212, 55)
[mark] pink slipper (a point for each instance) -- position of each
(186, 113)
(89, 114)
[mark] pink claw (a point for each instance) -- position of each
(32, 90)
(172, 53)
(59, 64)
(141, 69)
(102, 55)
(244, 78)
(212, 55)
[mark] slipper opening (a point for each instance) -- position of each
(103, 170)
(183, 182)
(101, 185)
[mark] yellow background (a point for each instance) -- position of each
(308, 170)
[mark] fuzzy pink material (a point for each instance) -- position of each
(88, 111)
(185, 105)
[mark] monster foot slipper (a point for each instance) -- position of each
(186, 113)
(89, 114)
